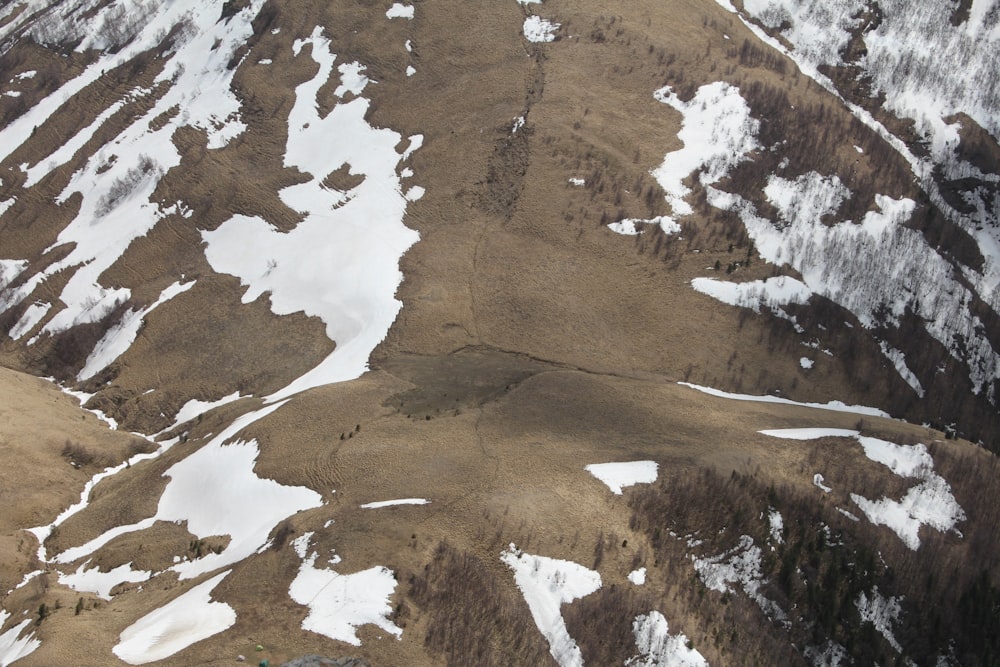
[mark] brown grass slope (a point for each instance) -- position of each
(532, 342)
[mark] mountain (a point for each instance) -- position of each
(521, 332)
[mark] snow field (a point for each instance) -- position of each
(929, 503)
(546, 584)
(340, 603)
(616, 476)
(835, 406)
(392, 503)
(117, 182)
(185, 620)
(341, 263)
(539, 30)
(658, 648)
(739, 566)
(12, 645)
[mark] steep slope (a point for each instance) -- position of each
(399, 296)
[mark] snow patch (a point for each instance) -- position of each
(12, 645)
(818, 482)
(630, 226)
(400, 11)
(391, 503)
(835, 406)
(741, 566)
(619, 475)
(341, 263)
(806, 362)
(882, 612)
(772, 292)
(340, 603)
(658, 648)
(101, 583)
(638, 577)
(539, 30)
(546, 584)
(187, 619)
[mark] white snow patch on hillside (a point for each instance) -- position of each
(818, 482)
(882, 612)
(30, 318)
(216, 492)
(718, 133)
(830, 655)
(10, 269)
(638, 577)
(627, 473)
(400, 11)
(806, 363)
(12, 645)
(548, 583)
(539, 30)
(340, 603)
(351, 79)
(871, 268)
(929, 70)
(929, 503)
(195, 408)
(119, 338)
(898, 360)
(772, 292)
(776, 524)
(835, 406)
(117, 182)
(341, 263)
(658, 648)
(185, 620)
(630, 226)
(810, 433)
(391, 503)
(740, 566)
(94, 581)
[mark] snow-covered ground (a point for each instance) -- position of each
(929, 503)
(340, 603)
(658, 648)
(391, 503)
(626, 473)
(548, 583)
(835, 406)
(638, 577)
(740, 566)
(341, 263)
(14, 646)
(185, 620)
(539, 30)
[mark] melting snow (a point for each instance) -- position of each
(882, 612)
(630, 226)
(835, 406)
(929, 503)
(638, 577)
(818, 481)
(776, 524)
(101, 583)
(195, 408)
(340, 603)
(400, 11)
(546, 584)
(658, 648)
(806, 362)
(12, 645)
(717, 132)
(341, 263)
(390, 503)
(216, 492)
(772, 292)
(740, 565)
(619, 475)
(119, 338)
(187, 619)
(538, 30)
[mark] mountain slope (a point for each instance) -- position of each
(377, 282)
